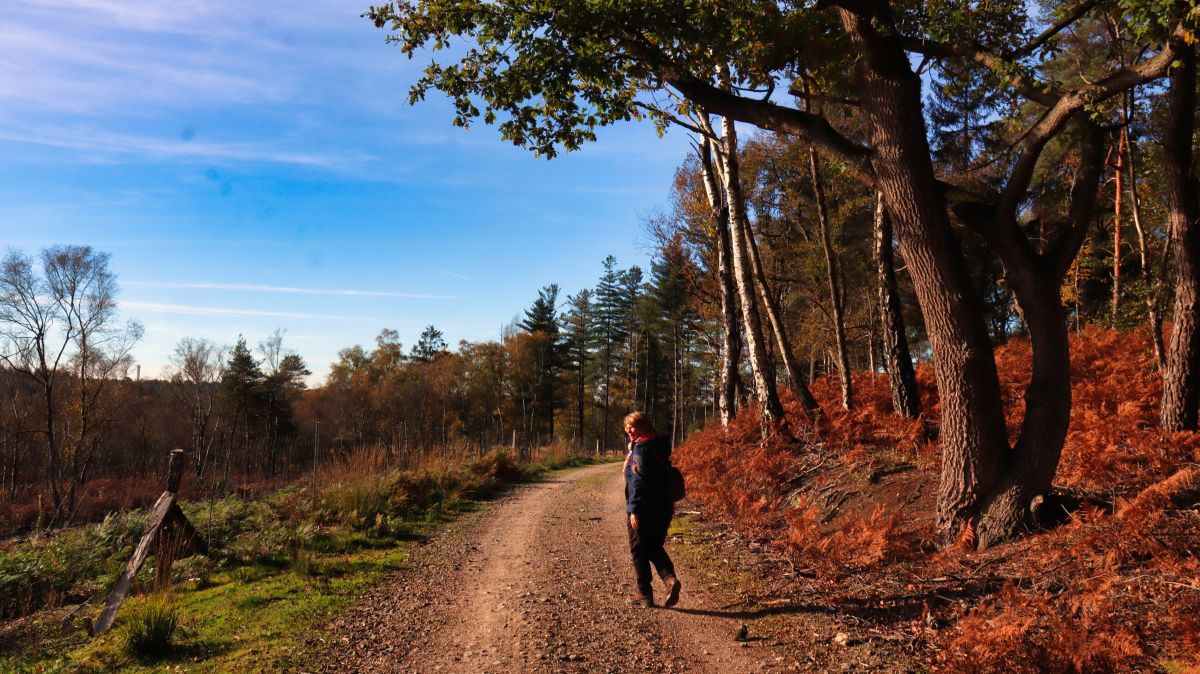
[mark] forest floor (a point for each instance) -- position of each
(541, 583)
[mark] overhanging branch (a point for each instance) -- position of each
(1074, 102)
(1059, 26)
(1008, 70)
(764, 114)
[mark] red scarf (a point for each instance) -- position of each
(629, 455)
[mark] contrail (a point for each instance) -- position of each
(220, 311)
(253, 287)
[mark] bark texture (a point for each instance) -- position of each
(731, 347)
(972, 430)
(770, 409)
(903, 378)
(1181, 377)
(1035, 280)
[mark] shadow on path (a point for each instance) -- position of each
(748, 614)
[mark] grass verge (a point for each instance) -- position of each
(279, 569)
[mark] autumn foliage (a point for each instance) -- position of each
(1110, 583)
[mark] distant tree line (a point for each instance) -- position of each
(566, 372)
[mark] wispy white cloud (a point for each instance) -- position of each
(140, 14)
(254, 287)
(49, 65)
(189, 310)
(109, 144)
(454, 274)
(163, 329)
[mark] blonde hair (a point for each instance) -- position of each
(641, 421)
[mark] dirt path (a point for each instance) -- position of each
(538, 583)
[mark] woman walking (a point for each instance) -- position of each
(649, 508)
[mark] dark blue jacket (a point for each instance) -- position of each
(645, 478)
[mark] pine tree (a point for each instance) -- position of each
(610, 318)
(429, 345)
(669, 293)
(964, 128)
(242, 384)
(283, 376)
(243, 377)
(578, 326)
(541, 322)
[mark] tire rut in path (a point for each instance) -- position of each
(538, 583)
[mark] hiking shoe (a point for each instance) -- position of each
(642, 600)
(673, 587)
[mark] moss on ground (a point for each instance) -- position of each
(249, 619)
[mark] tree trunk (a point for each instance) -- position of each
(906, 401)
(52, 465)
(1181, 378)
(607, 389)
(872, 367)
(731, 349)
(1033, 461)
(1035, 281)
(1119, 173)
(973, 438)
(775, 316)
(579, 406)
(833, 277)
(1153, 317)
(770, 409)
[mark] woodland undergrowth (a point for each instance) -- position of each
(362, 496)
(1109, 582)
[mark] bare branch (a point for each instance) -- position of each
(1083, 203)
(810, 96)
(1062, 24)
(658, 112)
(1074, 102)
(1010, 71)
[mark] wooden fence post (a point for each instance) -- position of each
(168, 531)
(316, 450)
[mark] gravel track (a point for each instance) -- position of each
(538, 582)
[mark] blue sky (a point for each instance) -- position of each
(253, 166)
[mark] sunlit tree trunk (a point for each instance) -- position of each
(770, 409)
(775, 317)
(1151, 281)
(1118, 173)
(833, 275)
(730, 381)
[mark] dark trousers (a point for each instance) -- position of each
(646, 548)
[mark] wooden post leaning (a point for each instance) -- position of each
(169, 530)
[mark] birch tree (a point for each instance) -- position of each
(58, 328)
(195, 370)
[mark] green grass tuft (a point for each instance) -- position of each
(149, 631)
